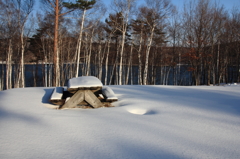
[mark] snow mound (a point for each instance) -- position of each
(138, 111)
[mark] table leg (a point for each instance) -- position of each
(92, 99)
(77, 98)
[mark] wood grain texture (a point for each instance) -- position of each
(93, 89)
(77, 98)
(91, 98)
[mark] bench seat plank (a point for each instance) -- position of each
(109, 94)
(56, 97)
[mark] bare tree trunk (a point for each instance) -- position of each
(56, 74)
(89, 55)
(114, 70)
(140, 60)
(121, 57)
(2, 76)
(129, 64)
(50, 71)
(99, 61)
(79, 44)
(9, 66)
(145, 74)
(106, 61)
(217, 68)
(22, 70)
(101, 57)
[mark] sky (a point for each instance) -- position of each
(229, 4)
(179, 3)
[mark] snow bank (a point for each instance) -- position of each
(147, 122)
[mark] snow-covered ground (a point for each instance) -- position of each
(147, 122)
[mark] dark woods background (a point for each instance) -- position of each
(123, 44)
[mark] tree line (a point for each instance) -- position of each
(84, 37)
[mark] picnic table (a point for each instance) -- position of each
(84, 91)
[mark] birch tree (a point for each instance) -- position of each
(138, 31)
(82, 5)
(24, 9)
(106, 60)
(125, 8)
(9, 30)
(154, 16)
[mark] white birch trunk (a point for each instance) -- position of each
(106, 62)
(58, 69)
(100, 61)
(22, 70)
(218, 55)
(9, 66)
(50, 72)
(129, 65)
(145, 73)
(79, 44)
(121, 57)
(2, 77)
(89, 56)
(140, 61)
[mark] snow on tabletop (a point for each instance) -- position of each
(169, 122)
(108, 92)
(84, 81)
(57, 93)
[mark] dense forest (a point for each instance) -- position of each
(74, 38)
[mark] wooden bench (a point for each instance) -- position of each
(109, 94)
(56, 97)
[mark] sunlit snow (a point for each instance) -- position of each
(147, 122)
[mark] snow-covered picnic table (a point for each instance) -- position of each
(84, 83)
(83, 91)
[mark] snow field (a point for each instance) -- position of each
(147, 122)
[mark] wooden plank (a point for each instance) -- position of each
(92, 99)
(111, 100)
(94, 89)
(72, 90)
(56, 97)
(57, 102)
(74, 100)
(109, 94)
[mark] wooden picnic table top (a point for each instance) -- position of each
(84, 82)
